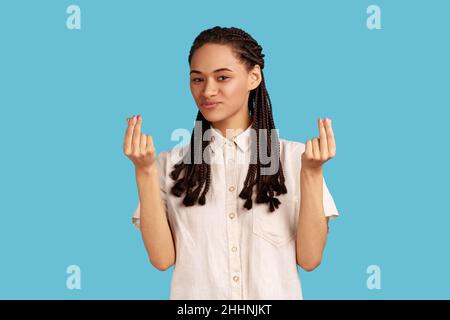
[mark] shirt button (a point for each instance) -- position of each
(231, 215)
(230, 161)
(230, 143)
(231, 189)
(236, 278)
(234, 249)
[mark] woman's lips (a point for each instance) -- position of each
(210, 105)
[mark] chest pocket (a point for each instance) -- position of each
(278, 227)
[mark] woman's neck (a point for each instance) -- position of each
(236, 123)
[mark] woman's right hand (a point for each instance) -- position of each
(139, 147)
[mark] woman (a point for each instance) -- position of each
(238, 219)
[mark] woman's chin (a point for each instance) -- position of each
(211, 116)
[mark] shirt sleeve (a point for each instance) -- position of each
(293, 151)
(329, 205)
(161, 162)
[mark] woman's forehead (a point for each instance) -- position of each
(211, 58)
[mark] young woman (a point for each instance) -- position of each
(236, 221)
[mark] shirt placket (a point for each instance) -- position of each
(232, 220)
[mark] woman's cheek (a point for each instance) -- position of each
(234, 90)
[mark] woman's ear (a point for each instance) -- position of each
(254, 77)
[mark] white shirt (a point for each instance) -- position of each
(224, 251)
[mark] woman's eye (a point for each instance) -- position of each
(200, 79)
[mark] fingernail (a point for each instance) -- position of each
(139, 117)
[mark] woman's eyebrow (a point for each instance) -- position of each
(217, 70)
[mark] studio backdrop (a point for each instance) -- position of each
(72, 72)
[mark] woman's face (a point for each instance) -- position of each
(216, 75)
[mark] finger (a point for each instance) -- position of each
(330, 138)
(308, 150)
(137, 133)
(323, 140)
(149, 143)
(143, 143)
(316, 148)
(128, 136)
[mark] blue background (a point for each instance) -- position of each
(68, 191)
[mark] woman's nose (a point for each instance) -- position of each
(209, 89)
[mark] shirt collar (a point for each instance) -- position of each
(242, 139)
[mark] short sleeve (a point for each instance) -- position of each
(161, 164)
(292, 152)
(329, 205)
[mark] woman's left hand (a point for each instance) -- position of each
(319, 150)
